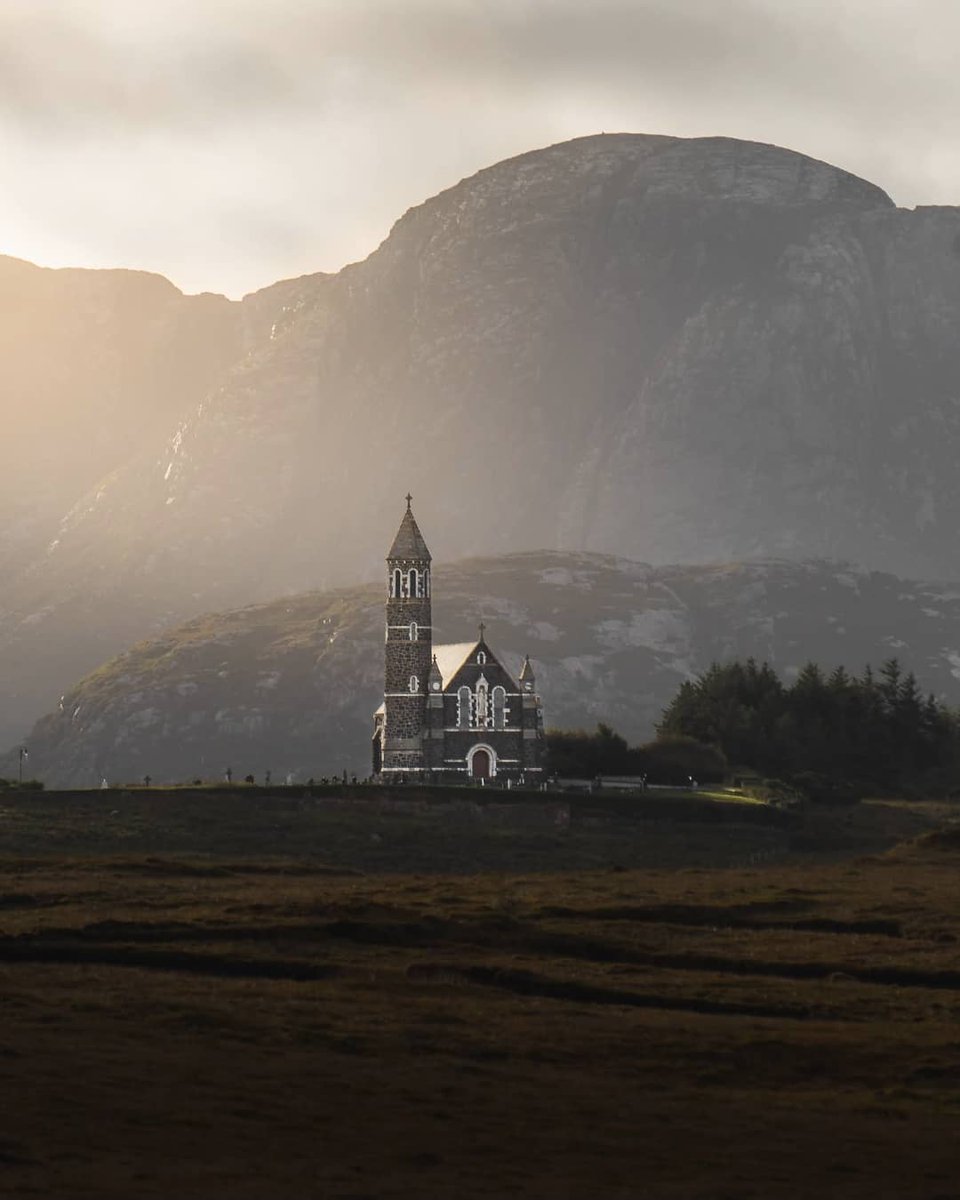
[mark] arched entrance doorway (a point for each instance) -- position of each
(480, 767)
(482, 762)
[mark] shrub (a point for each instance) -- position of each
(823, 789)
(677, 759)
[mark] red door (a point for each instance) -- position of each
(481, 764)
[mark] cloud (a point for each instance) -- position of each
(174, 64)
(227, 142)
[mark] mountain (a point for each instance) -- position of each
(668, 349)
(94, 363)
(291, 686)
(97, 367)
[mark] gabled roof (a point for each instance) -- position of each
(451, 657)
(409, 541)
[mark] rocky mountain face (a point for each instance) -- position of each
(661, 348)
(94, 364)
(97, 368)
(291, 686)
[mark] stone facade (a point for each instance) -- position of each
(409, 640)
(449, 712)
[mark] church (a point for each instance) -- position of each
(449, 712)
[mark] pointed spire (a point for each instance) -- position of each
(409, 541)
(434, 676)
(526, 671)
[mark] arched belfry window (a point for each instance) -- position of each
(413, 631)
(414, 582)
(426, 582)
(481, 658)
(463, 708)
(499, 698)
(396, 589)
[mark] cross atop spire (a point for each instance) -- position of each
(482, 628)
(409, 543)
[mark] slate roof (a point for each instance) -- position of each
(409, 541)
(451, 657)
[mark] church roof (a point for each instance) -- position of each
(451, 657)
(409, 541)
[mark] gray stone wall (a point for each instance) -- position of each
(533, 742)
(403, 659)
(519, 747)
(433, 741)
(458, 743)
(421, 728)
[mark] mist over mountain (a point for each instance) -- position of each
(94, 364)
(291, 686)
(667, 349)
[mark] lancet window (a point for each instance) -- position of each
(499, 698)
(464, 699)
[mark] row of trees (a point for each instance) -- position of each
(824, 733)
(875, 728)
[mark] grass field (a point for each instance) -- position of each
(206, 1000)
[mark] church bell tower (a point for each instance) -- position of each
(409, 649)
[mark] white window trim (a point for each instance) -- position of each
(493, 758)
(474, 729)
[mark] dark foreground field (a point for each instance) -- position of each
(231, 1024)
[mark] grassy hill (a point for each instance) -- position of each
(290, 686)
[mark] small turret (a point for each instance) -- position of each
(434, 679)
(527, 681)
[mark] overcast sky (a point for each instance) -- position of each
(230, 143)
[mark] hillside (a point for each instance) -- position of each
(290, 686)
(667, 349)
(94, 364)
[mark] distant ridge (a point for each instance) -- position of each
(290, 686)
(669, 349)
